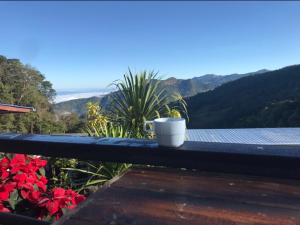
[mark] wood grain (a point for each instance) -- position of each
(160, 196)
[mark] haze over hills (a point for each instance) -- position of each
(186, 87)
(78, 106)
(67, 95)
(271, 99)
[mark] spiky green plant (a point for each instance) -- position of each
(97, 173)
(139, 97)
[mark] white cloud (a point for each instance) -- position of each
(72, 96)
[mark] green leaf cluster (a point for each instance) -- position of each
(24, 85)
(139, 97)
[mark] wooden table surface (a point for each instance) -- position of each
(160, 196)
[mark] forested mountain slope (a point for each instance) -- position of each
(271, 99)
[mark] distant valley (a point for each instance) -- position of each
(73, 94)
(186, 87)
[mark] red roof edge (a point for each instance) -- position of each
(8, 108)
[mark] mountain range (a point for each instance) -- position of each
(186, 87)
(271, 99)
(259, 99)
(193, 86)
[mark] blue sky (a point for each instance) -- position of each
(90, 44)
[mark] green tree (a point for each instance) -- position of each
(24, 85)
(72, 123)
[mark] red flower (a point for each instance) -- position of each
(52, 207)
(44, 180)
(58, 192)
(20, 178)
(24, 181)
(3, 208)
(79, 198)
(34, 196)
(59, 199)
(21, 174)
(9, 186)
(5, 190)
(30, 182)
(37, 163)
(41, 185)
(25, 193)
(4, 164)
(4, 195)
(26, 164)
(75, 197)
(18, 163)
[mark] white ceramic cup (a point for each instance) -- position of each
(170, 132)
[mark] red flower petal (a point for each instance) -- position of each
(4, 162)
(34, 196)
(20, 178)
(79, 198)
(58, 192)
(52, 207)
(4, 196)
(41, 186)
(9, 187)
(3, 209)
(25, 193)
(43, 179)
(4, 174)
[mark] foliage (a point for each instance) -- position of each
(271, 99)
(99, 125)
(23, 85)
(23, 189)
(89, 174)
(95, 117)
(174, 113)
(139, 98)
(59, 177)
(72, 123)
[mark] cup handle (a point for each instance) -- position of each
(145, 126)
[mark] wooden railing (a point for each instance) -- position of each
(265, 160)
